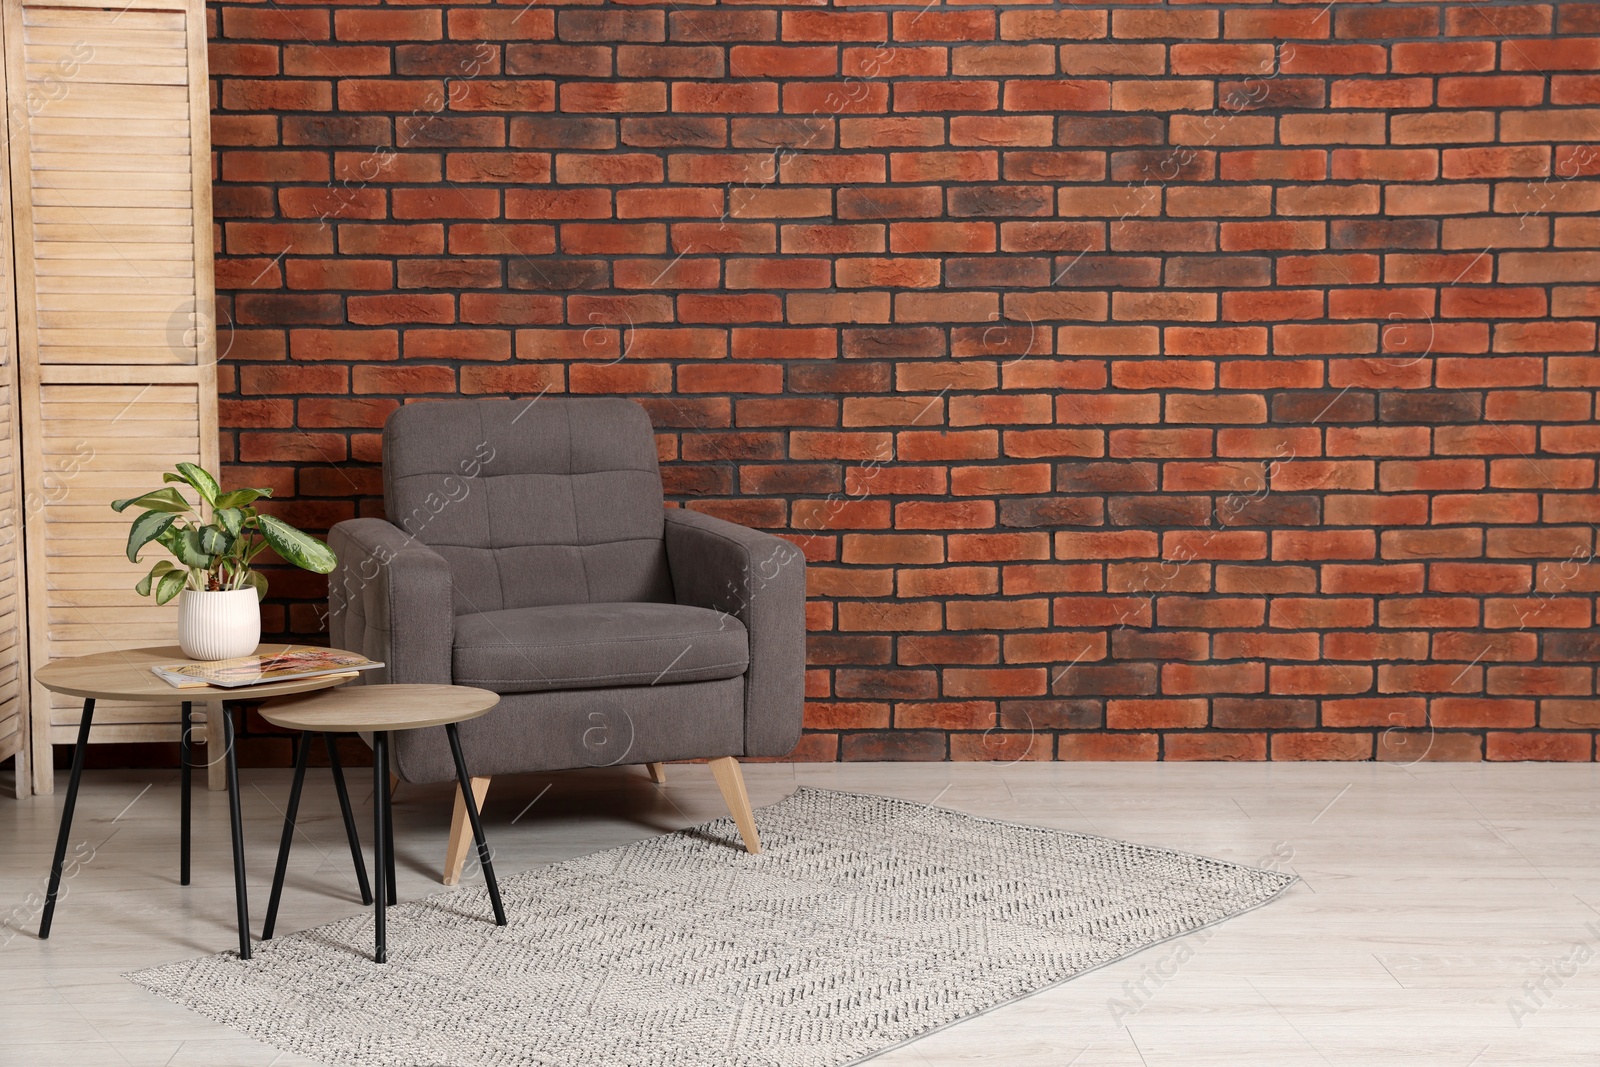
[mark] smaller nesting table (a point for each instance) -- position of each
(380, 710)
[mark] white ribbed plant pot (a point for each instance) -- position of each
(218, 624)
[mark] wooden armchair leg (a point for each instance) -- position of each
(455, 856)
(658, 772)
(730, 779)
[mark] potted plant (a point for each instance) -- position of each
(219, 594)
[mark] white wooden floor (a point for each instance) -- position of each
(1449, 914)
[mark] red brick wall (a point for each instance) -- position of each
(1143, 382)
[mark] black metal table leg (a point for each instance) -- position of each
(477, 823)
(240, 898)
(349, 818)
(185, 758)
(66, 819)
(303, 750)
(388, 840)
(380, 838)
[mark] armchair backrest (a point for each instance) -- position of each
(532, 502)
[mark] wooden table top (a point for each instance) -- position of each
(126, 675)
(379, 707)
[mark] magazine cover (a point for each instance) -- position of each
(259, 669)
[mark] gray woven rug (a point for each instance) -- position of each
(866, 922)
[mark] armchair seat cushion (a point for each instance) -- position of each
(589, 646)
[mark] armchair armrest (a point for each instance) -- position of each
(390, 599)
(760, 580)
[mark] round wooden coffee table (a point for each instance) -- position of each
(126, 675)
(380, 710)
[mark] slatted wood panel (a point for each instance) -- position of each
(111, 178)
(13, 613)
(111, 174)
(110, 438)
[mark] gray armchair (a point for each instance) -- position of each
(527, 551)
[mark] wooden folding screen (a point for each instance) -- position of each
(108, 121)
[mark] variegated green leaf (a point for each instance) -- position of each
(170, 585)
(202, 481)
(186, 546)
(162, 567)
(146, 528)
(230, 519)
(169, 500)
(213, 540)
(301, 549)
(240, 497)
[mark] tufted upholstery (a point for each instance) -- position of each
(527, 550)
(532, 503)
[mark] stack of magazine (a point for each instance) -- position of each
(285, 666)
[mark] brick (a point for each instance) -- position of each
(239, 94)
(1416, 746)
(1509, 20)
(1265, 713)
(1383, 24)
(1322, 746)
(1238, 130)
(288, 24)
(1491, 91)
(1440, 199)
(1470, 711)
(1102, 59)
(1174, 24)
(624, 25)
(1546, 747)
(1431, 57)
(1443, 127)
(1057, 95)
(1069, 25)
(1086, 679)
(1214, 745)
(1102, 747)
(1540, 125)
(1386, 93)
(1190, 201)
(1350, 128)
(481, 25)
(1334, 59)
(247, 59)
(613, 96)
(1210, 58)
(1023, 130)
(896, 745)
(355, 24)
(1164, 95)
(1540, 267)
(1231, 271)
(1570, 53)
(1386, 164)
(1280, 93)
(932, 61)
(916, 96)
(1156, 714)
(958, 515)
(1275, 23)
(557, 59)
(1574, 89)
(1319, 200)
